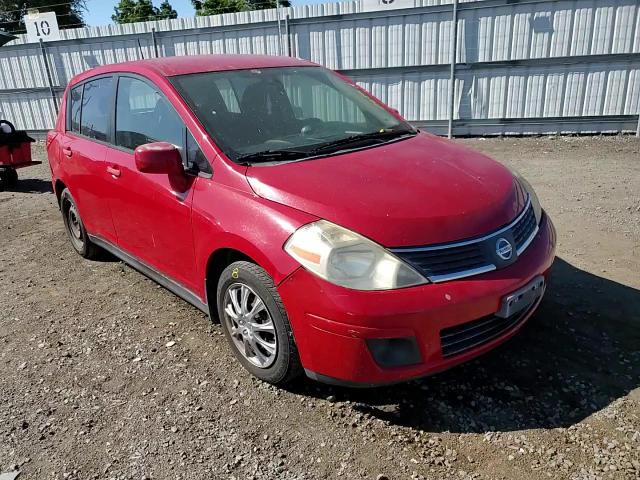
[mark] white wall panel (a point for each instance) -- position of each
(562, 90)
(400, 55)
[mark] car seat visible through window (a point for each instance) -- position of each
(266, 110)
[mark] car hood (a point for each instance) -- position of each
(418, 191)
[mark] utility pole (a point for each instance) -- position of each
(279, 27)
(45, 59)
(452, 79)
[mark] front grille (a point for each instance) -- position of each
(434, 263)
(461, 338)
(461, 259)
(522, 230)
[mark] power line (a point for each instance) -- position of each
(26, 7)
(140, 18)
(78, 25)
(57, 15)
(219, 10)
(149, 18)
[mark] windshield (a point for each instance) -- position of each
(275, 114)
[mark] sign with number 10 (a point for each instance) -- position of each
(42, 26)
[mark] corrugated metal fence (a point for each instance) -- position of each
(528, 66)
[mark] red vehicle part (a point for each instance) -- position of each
(15, 152)
(335, 326)
(417, 192)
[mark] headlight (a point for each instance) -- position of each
(347, 259)
(537, 209)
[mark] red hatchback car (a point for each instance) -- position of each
(327, 234)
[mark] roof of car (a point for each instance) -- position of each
(169, 66)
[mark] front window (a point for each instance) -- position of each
(275, 114)
(143, 116)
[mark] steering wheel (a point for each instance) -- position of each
(310, 126)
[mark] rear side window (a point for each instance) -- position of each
(96, 108)
(143, 115)
(75, 101)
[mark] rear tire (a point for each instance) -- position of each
(256, 325)
(8, 178)
(75, 228)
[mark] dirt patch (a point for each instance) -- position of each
(89, 388)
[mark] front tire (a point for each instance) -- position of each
(256, 325)
(75, 227)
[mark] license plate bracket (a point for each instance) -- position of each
(522, 298)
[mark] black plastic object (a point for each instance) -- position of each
(394, 352)
(14, 137)
(6, 37)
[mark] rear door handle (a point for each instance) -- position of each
(115, 172)
(67, 152)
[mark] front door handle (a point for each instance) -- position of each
(114, 171)
(67, 152)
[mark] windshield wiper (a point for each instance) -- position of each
(265, 156)
(272, 156)
(383, 135)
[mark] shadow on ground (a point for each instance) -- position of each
(579, 352)
(30, 185)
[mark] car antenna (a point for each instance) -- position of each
(140, 48)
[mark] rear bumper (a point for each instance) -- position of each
(332, 324)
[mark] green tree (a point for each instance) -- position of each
(69, 13)
(129, 11)
(125, 11)
(166, 11)
(214, 7)
(262, 4)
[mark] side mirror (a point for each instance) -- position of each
(158, 157)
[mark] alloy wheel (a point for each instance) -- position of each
(250, 325)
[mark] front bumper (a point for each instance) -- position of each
(332, 324)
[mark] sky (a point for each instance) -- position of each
(99, 11)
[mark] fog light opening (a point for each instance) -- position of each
(394, 352)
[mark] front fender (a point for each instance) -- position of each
(228, 218)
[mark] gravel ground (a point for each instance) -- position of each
(92, 385)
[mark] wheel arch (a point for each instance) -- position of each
(216, 263)
(58, 188)
(238, 249)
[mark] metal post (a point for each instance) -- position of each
(279, 28)
(43, 50)
(452, 80)
(638, 129)
(287, 29)
(154, 41)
